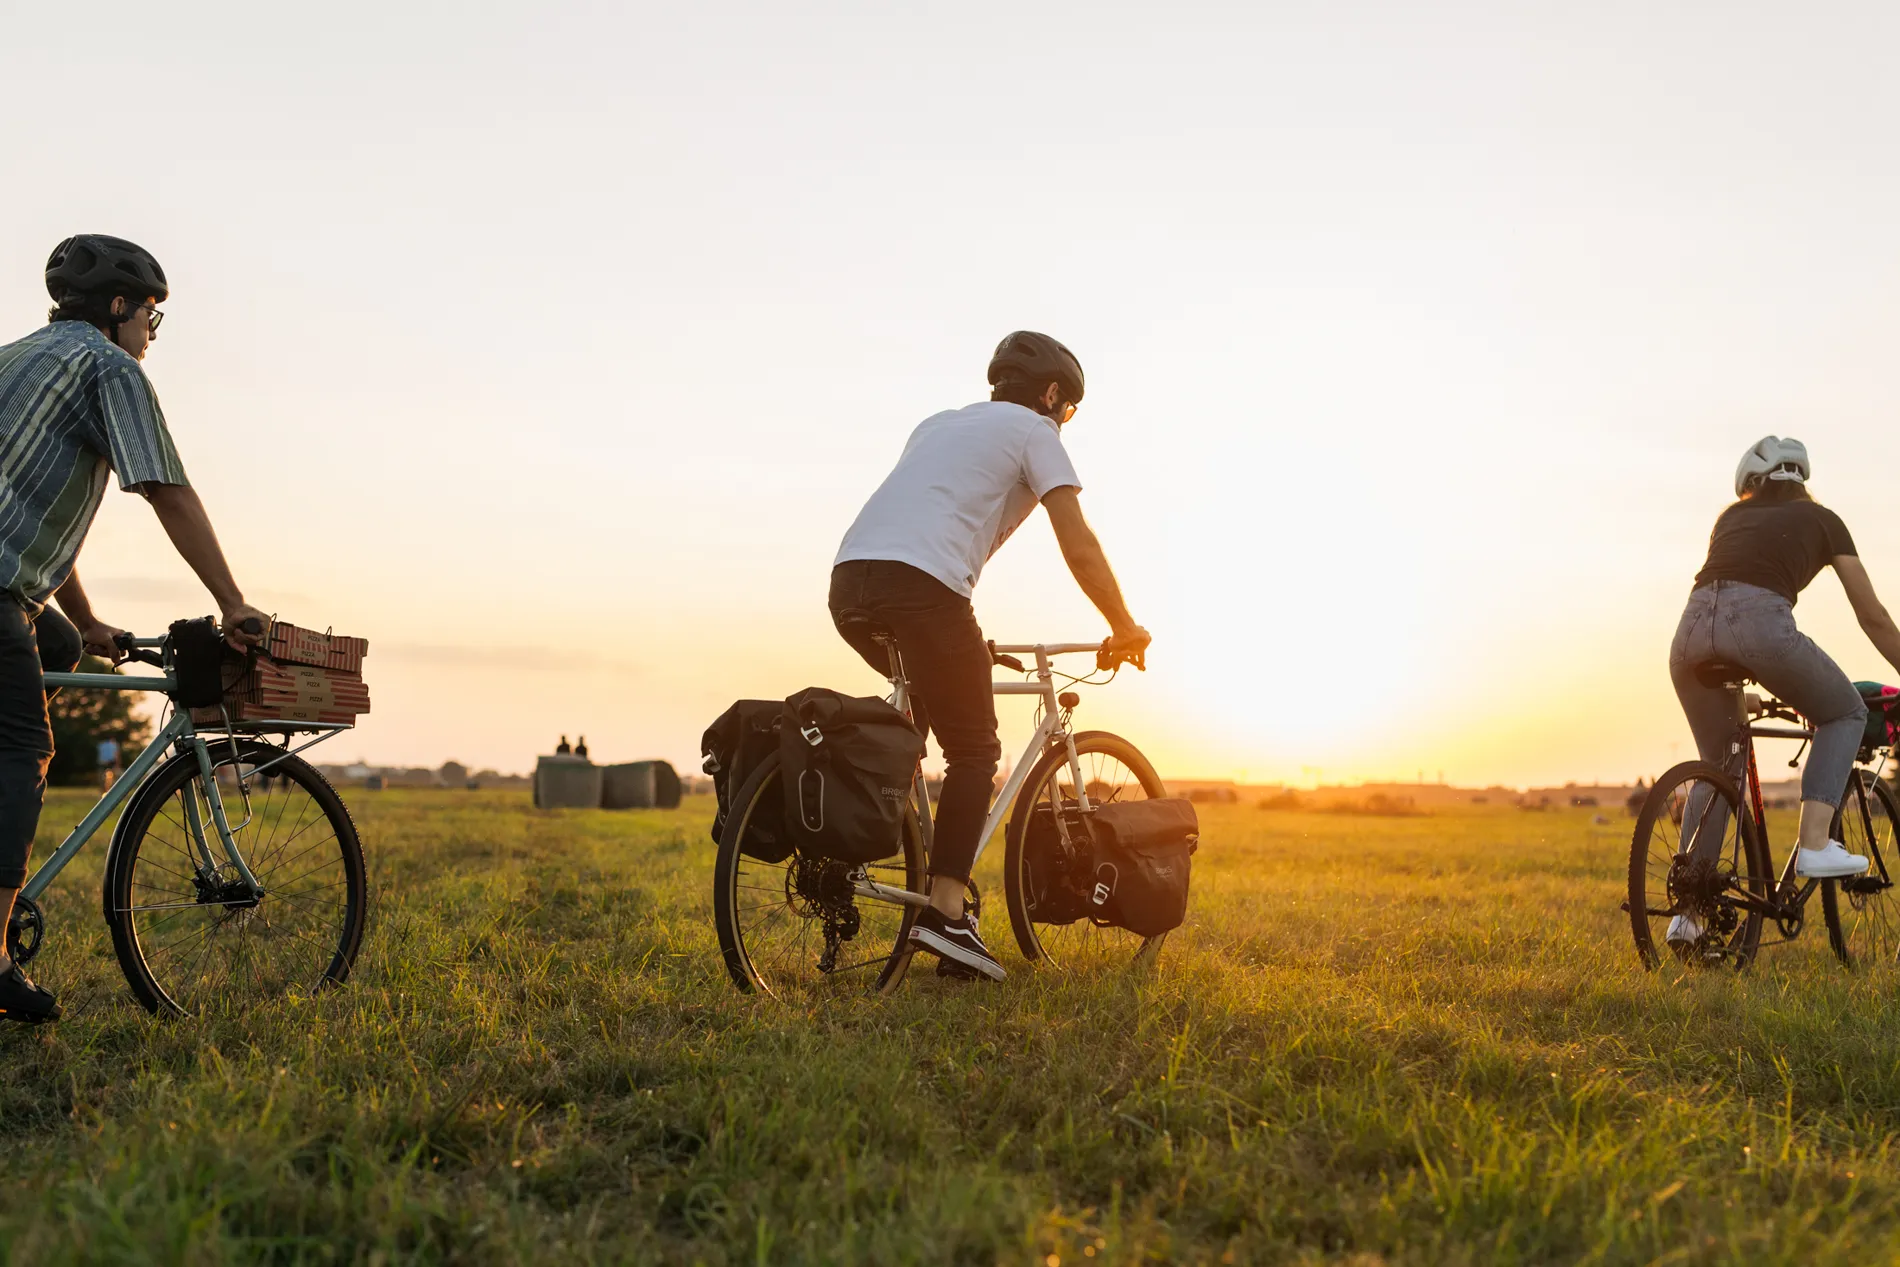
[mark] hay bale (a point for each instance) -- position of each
(566, 783)
(640, 785)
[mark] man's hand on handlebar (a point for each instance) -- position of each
(244, 625)
(102, 640)
(1126, 646)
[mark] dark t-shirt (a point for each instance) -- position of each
(1779, 546)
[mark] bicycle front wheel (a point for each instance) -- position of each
(1696, 853)
(790, 925)
(1048, 901)
(188, 930)
(1863, 914)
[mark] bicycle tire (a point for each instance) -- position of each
(1654, 847)
(315, 892)
(1082, 940)
(786, 962)
(1868, 930)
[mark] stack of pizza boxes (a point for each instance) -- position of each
(297, 675)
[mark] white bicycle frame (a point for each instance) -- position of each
(1050, 726)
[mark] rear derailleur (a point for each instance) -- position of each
(825, 890)
(1696, 887)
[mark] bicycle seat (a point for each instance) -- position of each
(855, 624)
(1722, 673)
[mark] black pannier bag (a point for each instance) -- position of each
(847, 768)
(733, 747)
(1142, 863)
(1059, 880)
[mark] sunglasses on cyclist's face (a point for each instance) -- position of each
(1068, 411)
(152, 318)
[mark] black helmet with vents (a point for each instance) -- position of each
(99, 264)
(1035, 359)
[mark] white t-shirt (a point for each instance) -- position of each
(967, 479)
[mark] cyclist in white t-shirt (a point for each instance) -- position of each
(967, 479)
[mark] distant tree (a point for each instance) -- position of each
(82, 718)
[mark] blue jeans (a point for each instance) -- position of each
(1754, 627)
(29, 647)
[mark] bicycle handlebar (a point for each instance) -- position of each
(1104, 658)
(136, 649)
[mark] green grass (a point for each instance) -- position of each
(1401, 1040)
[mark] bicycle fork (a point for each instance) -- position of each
(194, 820)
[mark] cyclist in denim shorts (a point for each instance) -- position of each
(75, 409)
(1763, 552)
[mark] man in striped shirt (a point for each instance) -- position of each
(75, 408)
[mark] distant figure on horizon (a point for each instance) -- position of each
(1763, 552)
(563, 748)
(580, 749)
(966, 480)
(76, 409)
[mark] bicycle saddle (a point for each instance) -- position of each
(854, 624)
(1722, 673)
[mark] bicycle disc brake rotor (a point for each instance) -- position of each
(25, 929)
(225, 888)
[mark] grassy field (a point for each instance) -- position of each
(1380, 1040)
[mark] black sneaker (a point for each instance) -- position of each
(21, 1000)
(954, 941)
(957, 972)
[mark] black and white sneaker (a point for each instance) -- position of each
(954, 941)
(21, 1000)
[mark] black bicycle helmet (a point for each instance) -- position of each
(96, 263)
(1035, 359)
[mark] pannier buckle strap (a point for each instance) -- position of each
(813, 735)
(1104, 891)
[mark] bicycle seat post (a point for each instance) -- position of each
(899, 683)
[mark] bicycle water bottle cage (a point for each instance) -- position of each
(811, 803)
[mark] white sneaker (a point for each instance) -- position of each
(1684, 930)
(1831, 863)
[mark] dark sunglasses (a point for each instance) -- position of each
(153, 317)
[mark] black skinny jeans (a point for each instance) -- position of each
(949, 668)
(29, 647)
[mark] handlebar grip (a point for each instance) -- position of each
(1007, 661)
(1106, 660)
(123, 641)
(250, 625)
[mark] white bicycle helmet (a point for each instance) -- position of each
(1773, 458)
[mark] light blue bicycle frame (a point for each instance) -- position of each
(1050, 727)
(176, 733)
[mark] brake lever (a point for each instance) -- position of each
(1107, 661)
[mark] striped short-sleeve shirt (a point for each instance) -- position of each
(73, 406)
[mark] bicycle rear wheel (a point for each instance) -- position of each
(801, 924)
(1696, 806)
(1863, 913)
(1044, 897)
(188, 931)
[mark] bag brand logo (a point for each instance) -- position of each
(896, 792)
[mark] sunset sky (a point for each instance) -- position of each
(553, 347)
